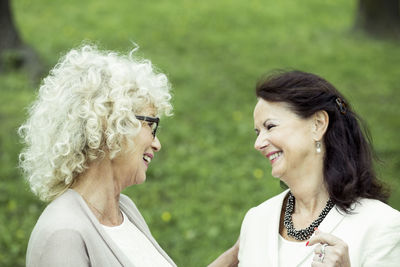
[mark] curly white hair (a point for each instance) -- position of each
(86, 106)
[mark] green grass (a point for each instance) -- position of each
(207, 174)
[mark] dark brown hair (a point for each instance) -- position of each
(348, 163)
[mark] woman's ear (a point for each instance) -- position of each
(321, 122)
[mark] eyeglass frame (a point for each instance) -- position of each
(150, 119)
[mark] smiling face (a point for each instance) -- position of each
(286, 139)
(130, 165)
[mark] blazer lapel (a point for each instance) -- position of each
(332, 220)
(273, 237)
(273, 231)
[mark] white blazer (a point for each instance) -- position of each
(372, 233)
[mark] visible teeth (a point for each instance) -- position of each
(275, 155)
(147, 158)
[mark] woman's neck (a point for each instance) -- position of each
(310, 202)
(309, 191)
(100, 190)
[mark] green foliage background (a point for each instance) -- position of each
(207, 175)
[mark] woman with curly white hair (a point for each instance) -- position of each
(90, 134)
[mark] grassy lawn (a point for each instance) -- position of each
(207, 174)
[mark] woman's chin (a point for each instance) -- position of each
(140, 181)
(276, 174)
(137, 180)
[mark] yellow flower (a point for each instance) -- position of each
(166, 216)
(258, 173)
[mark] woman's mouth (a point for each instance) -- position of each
(147, 159)
(274, 156)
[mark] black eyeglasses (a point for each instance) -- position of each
(152, 122)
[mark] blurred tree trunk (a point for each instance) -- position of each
(379, 17)
(9, 35)
(14, 54)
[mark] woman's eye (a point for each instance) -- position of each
(270, 126)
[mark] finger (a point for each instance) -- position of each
(324, 238)
(319, 258)
(317, 248)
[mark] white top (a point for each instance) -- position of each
(287, 249)
(135, 244)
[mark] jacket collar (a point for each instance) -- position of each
(274, 229)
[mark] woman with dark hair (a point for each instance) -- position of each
(333, 212)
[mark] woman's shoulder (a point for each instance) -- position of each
(62, 219)
(375, 210)
(63, 213)
(375, 207)
(375, 218)
(58, 238)
(379, 225)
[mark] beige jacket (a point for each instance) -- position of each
(68, 234)
(372, 233)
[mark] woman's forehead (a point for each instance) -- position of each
(150, 110)
(268, 110)
(264, 107)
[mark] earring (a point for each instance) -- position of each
(318, 146)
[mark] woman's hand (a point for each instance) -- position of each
(331, 251)
(227, 259)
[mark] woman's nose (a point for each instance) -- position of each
(260, 142)
(156, 145)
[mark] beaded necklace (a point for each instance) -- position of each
(303, 234)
